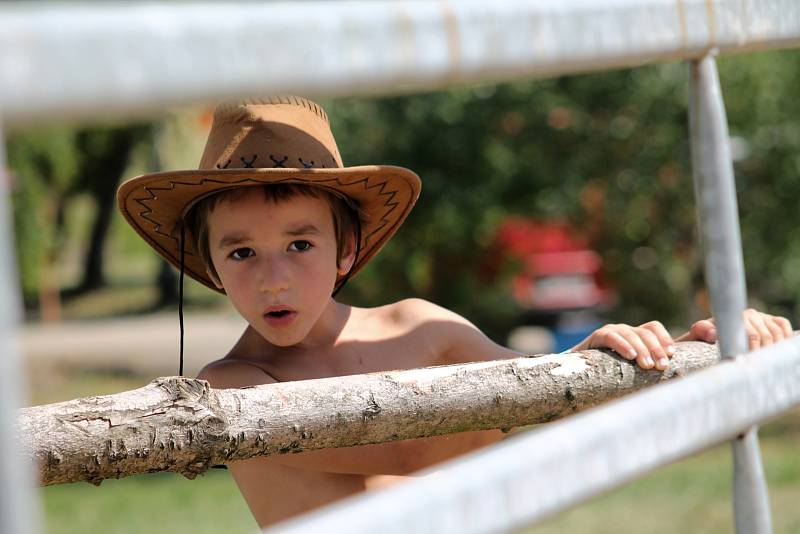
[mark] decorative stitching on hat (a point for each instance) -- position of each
(389, 202)
(279, 163)
(381, 186)
(248, 164)
(306, 165)
(224, 166)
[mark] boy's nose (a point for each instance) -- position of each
(274, 277)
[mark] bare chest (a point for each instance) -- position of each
(357, 356)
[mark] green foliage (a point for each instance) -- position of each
(44, 163)
(608, 152)
(51, 167)
(765, 112)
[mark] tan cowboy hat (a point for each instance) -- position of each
(276, 140)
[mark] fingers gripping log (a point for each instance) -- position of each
(183, 425)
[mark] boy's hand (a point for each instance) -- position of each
(762, 329)
(649, 344)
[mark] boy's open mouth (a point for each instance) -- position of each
(280, 317)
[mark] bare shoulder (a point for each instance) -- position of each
(415, 312)
(455, 337)
(228, 373)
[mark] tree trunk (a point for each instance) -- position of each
(106, 155)
(167, 282)
(184, 426)
(49, 274)
(93, 276)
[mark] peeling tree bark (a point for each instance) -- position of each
(183, 425)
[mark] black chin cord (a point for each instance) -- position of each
(180, 296)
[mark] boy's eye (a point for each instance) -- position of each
(241, 253)
(300, 246)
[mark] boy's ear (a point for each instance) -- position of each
(213, 276)
(348, 258)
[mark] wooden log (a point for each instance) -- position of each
(183, 425)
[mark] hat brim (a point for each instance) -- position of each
(155, 204)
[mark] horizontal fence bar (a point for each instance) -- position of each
(85, 59)
(534, 475)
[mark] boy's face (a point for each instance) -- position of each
(276, 262)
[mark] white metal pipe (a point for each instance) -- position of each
(751, 510)
(718, 215)
(19, 507)
(717, 209)
(536, 474)
(86, 58)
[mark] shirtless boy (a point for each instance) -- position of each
(273, 220)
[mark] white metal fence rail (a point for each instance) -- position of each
(85, 59)
(90, 59)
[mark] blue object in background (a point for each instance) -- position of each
(567, 337)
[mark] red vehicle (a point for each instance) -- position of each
(560, 285)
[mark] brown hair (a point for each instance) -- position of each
(346, 214)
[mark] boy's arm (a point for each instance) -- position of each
(650, 344)
(450, 338)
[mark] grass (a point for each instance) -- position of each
(690, 496)
(693, 495)
(149, 503)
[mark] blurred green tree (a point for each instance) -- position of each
(609, 153)
(44, 164)
(52, 166)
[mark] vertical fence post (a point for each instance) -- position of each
(18, 505)
(715, 192)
